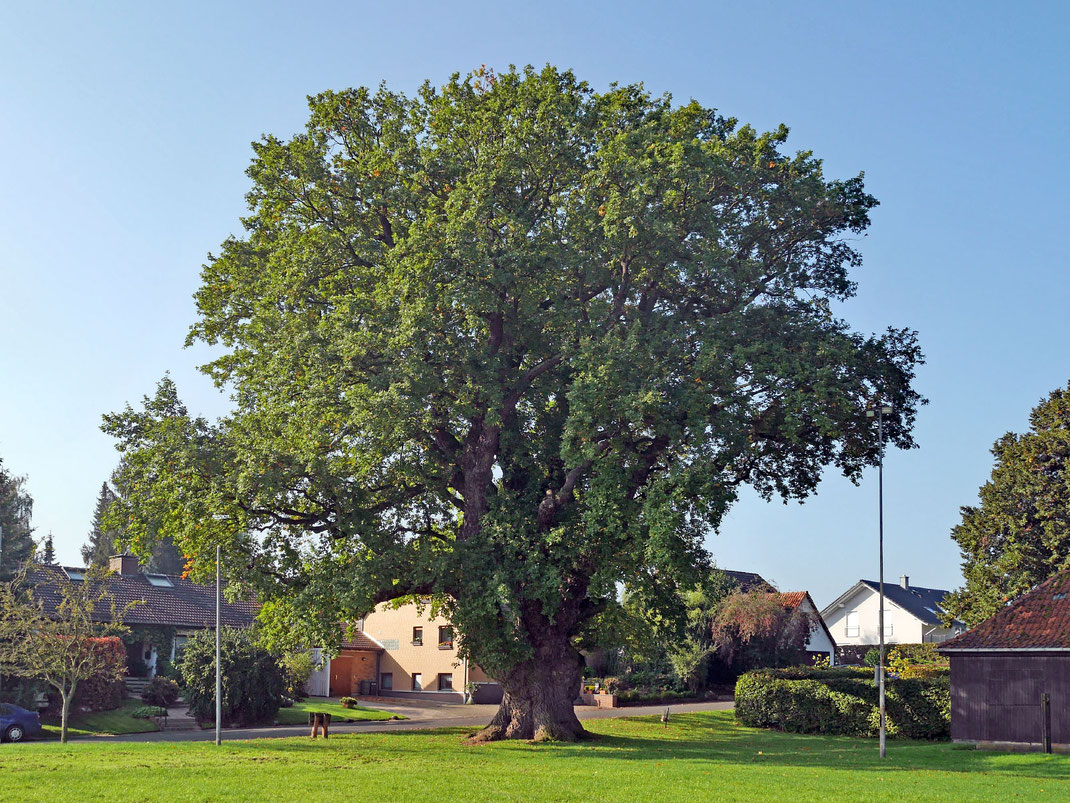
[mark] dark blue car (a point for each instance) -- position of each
(18, 723)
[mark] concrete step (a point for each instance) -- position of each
(135, 686)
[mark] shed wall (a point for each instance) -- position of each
(995, 697)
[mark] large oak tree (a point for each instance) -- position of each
(508, 344)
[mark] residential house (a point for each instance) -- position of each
(1010, 675)
(403, 652)
(168, 610)
(911, 615)
(420, 656)
(820, 644)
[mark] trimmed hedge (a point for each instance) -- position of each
(803, 700)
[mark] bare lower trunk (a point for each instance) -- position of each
(540, 695)
(64, 709)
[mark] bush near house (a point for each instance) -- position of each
(162, 692)
(844, 702)
(253, 687)
(103, 692)
(917, 661)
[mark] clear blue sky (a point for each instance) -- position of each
(125, 131)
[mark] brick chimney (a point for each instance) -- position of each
(123, 564)
(904, 581)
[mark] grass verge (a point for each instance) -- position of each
(706, 756)
(116, 721)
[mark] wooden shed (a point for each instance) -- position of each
(1010, 675)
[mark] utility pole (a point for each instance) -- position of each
(880, 409)
(218, 653)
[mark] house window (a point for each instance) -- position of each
(445, 681)
(887, 623)
(417, 682)
(386, 681)
(417, 637)
(445, 638)
(851, 625)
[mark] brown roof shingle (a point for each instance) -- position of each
(184, 604)
(1037, 620)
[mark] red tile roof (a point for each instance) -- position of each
(792, 599)
(1035, 621)
(183, 604)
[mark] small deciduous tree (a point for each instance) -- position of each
(72, 642)
(1019, 534)
(757, 629)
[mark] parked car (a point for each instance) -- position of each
(18, 723)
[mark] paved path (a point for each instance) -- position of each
(421, 716)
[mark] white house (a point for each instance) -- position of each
(821, 640)
(911, 614)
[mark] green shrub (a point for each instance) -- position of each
(844, 703)
(297, 667)
(252, 683)
(349, 702)
(148, 712)
(104, 692)
(161, 691)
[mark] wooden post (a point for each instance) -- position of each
(1045, 718)
(319, 720)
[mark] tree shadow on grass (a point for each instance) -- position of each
(717, 738)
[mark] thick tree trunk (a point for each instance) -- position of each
(540, 695)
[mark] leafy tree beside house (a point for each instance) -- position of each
(253, 683)
(67, 646)
(509, 343)
(1019, 534)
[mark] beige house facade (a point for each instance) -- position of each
(420, 656)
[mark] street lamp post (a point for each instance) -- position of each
(218, 669)
(879, 410)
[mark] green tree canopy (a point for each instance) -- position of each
(1019, 535)
(511, 342)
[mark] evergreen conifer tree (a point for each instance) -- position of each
(16, 507)
(48, 551)
(101, 545)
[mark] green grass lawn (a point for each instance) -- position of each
(698, 757)
(297, 714)
(115, 721)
